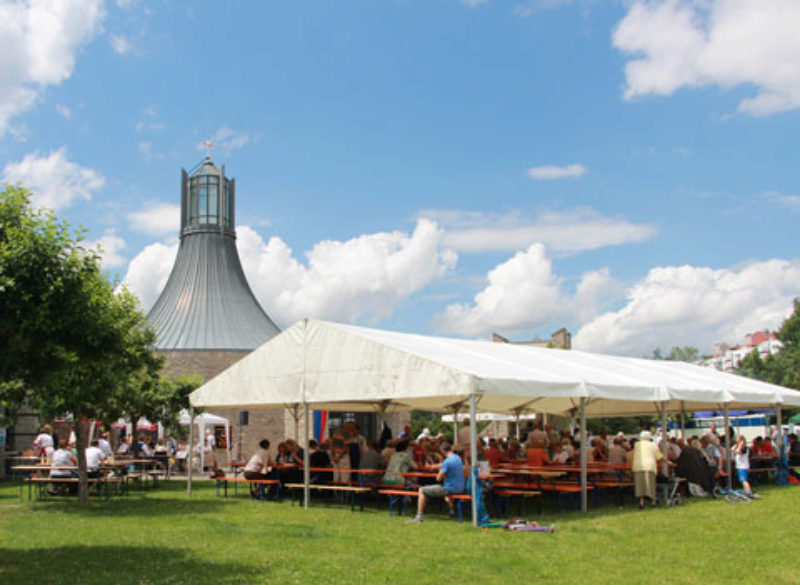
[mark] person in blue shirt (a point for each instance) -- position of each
(450, 481)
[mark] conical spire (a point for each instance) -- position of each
(207, 302)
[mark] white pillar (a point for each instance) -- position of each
(584, 502)
(306, 461)
(664, 441)
(473, 456)
(190, 454)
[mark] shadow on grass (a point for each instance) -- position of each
(120, 565)
(131, 506)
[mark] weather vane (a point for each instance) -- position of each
(208, 144)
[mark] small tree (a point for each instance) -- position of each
(68, 343)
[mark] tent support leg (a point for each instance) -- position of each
(664, 439)
(779, 414)
(727, 446)
(190, 456)
(306, 460)
(584, 503)
(683, 420)
(473, 456)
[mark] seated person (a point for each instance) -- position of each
(537, 455)
(794, 450)
(94, 457)
(258, 467)
(400, 462)
(63, 457)
(494, 455)
(450, 481)
(560, 455)
(124, 446)
(618, 455)
(318, 458)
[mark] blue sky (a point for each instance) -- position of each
(624, 169)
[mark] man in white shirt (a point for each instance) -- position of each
(105, 446)
(94, 457)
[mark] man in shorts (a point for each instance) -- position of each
(450, 481)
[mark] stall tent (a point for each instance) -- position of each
(327, 365)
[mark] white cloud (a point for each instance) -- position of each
(55, 181)
(40, 41)
(472, 3)
(149, 120)
(367, 277)
(562, 231)
(121, 44)
(727, 43)
(785, 201)
(522, 293)
(228, 140)
(696, 306)
(149, 270)
(552, 172)
(155, 218)
(110, 246)
(63, 111)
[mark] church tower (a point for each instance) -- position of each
(207, 318)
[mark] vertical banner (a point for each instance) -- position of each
(320, 419)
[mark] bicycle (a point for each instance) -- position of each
(735, 496)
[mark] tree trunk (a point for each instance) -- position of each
(134, 438)
(81, 439)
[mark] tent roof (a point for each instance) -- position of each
(344, 367)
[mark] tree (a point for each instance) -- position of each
(68, 342)
(782, 368)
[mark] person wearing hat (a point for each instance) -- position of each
(646, 456)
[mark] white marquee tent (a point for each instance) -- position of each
(342, 367)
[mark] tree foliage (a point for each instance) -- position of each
(784, 367)
(69, 343)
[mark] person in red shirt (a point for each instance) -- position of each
(494, 455)
(537, 456)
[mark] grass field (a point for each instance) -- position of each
(161, 536)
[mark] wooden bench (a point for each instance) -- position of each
(504, 497)
(397, 495)
(352, 490)
(42, 482)
(261, 483)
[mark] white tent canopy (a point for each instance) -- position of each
(206, 419)
(344, 367)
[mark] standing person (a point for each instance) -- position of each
(646, 456)
(43, 443)
(742, 463)
(356, 445)
(259, 466)
(450, 481)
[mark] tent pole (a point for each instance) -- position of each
(664, 441)
(518, 429)
(584, 502)
(473, 456)
(779, 414)
(727, 447)
(683, 420)
(190, 455)
(306, 461)
(455, 425)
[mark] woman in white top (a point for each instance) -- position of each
(63, 457)
(43, 443)
(259, 467)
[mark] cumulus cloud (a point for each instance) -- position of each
(367, 277)
(110, 245)
(40, 42)
(156, 218)
(552, 172)
(55, 181)
(691, 43)
(228, 140)
(121, 44)
(567, 231)
(522, 293)
(697, 306)
(149, 270)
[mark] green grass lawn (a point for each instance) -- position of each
(162, 536)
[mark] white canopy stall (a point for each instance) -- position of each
(342, 367)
